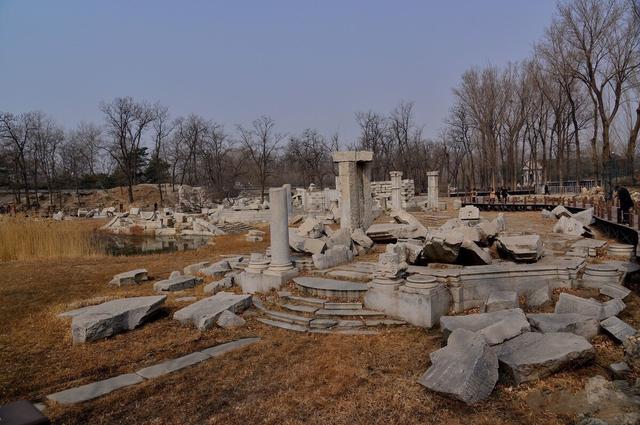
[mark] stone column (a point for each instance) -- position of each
(432, 189)
(356, 204)
(287, 188)
(280, 254)
(396, 188)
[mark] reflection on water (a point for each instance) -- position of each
(136, 245)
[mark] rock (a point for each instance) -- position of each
(339, 237)
(217, 269)
(442, 247)
(632, 352)
(619, 370)
(501, 300)
(332, 257)
(617, 328)
(472, 254)
(585, 326)
(614, 290)
(538, 294)
(94, 389)
(547, 214)
(219, 285)
(381, 232)
(403, 217)
(130, 277)
(204, 313)
(561, 211)
(110, 318)
(177, 284)
(228, 320)
(195, 268)
(585, 217)
(613, 401)
(521, 249)
(496, 327)
(58, 216)
(533, 355)
(568, 303)
(411, 250)
(360, 238)
(571, 226)
(175, 274)
(310, 228)
(466, 369)
(469, 212)
(186, 299)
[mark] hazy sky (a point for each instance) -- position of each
(304, 63)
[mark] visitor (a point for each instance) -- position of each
(626, 203)
(492, 196)
(546, 189)
(505, 195)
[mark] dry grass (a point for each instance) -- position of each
(26, 238)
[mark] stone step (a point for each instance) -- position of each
(283, 325)
(330, 287)
(347, 313)
(290, 318)
(300, 308)
(317, 302)
(344, 331)
(342, 306)
(384, 322)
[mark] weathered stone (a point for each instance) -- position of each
(471, 254)
(310, 228)
(204, 313)
(614, 290)
(501, 300)
(228, 320)
(339, 237)
(110, 318)
(469, 212)
(186, 299)
(613, 401)
(175, 274)
(617, 328)
(561, 211)
(574, 323)
(584, 216)
(619, 370)
(95, 389)
(177, 284)
(218, 269)
(195, 268)
(359, 237)
(442, 247)
(130, 277)
(533, 355)
(525, 248)
(403, 217)
(496, 327)
(219, 285)
(466, 369)
(332, 257)
(632, 352)
(571, 226)
(172, 365)
(568, 303)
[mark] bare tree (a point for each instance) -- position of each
(162, 129)
(15, 132)
(47, 137)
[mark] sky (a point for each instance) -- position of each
(306, 64)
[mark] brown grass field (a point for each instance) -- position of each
(286, 378)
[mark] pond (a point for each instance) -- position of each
(137, 245)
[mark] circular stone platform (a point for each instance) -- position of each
(418, 281)
(330, 287)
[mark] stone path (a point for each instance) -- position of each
(100, 388)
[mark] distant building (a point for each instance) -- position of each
(532, 174)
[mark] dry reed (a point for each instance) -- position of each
(25, 239)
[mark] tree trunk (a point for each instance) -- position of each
(631, 146)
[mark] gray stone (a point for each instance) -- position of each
(469, 212)
(568, 303)
(619, 370)
(222, 284)
(403, 217)
(339, 237)
(525, 248)
(574, 323)
(496, 327)
(585, 216)
(130, 277)
(176, 284)
(175, 274)
(330, 287)
(533, 355)
(471, 254)
(110, 318)
(300, 308)
(466, 369)
(617, 328)
(332, 257)
(360, 237)
(172, 365)
(501, 300)
(204, 313)
(228, 320)
(561, 211)
(571, 226)
(186, 299)
(283, 325)
(632, 352)
(95, 389)
(442, 246)
(221, 349)
(220, 268)
(195, 268)
(614, 291)
(322, 323)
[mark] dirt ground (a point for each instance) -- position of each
(286, 378)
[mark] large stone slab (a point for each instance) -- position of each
(585, 326)
(466, 369)
(568, 303)
(330, 287)
(110, 318)
(496, 327)
(332, 257)
(617, 329)
(534, 355)
(525, 248)
(229, 320)
(176, 284)
(501, 300)
(130, 277)
(221, 349)
(95, 389)
(195, 268)
(204, 313)
(571, 226)
(172, 365)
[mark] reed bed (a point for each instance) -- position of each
(28, 238)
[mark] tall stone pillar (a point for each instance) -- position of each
(280, 254)
(287, 188)
(354, 174)
(432, 189)
(396, 188)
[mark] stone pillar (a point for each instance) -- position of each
(396, 188)
(432, 189)
(280, 254)
(287, 188)
(356, 204)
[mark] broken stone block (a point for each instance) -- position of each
(335, 256)
(496, 327)
(228, 320)
(521, 249)
(472, 255)
(538, 294)
(174, 274)
(533, 355)
(466, 369)
(360, 238)
(632, 352)
(195, 268)
(469, 212)
(614, 291)
(113, 317)
(571, 226)
(403, 217)
(442, 247)
(217, 269)
(585, 216)
(568, 303)
(219, 285)
(204, 313)
(339, 237)
(130, 277)
(310, 228)
(619, 370)
(176, 284)
(574, 323)
(501, 300)
(617, 328)
(561, 211)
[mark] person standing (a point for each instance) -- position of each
(626, 203)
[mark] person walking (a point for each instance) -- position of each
(626, 203)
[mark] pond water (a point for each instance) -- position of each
(137, 245)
